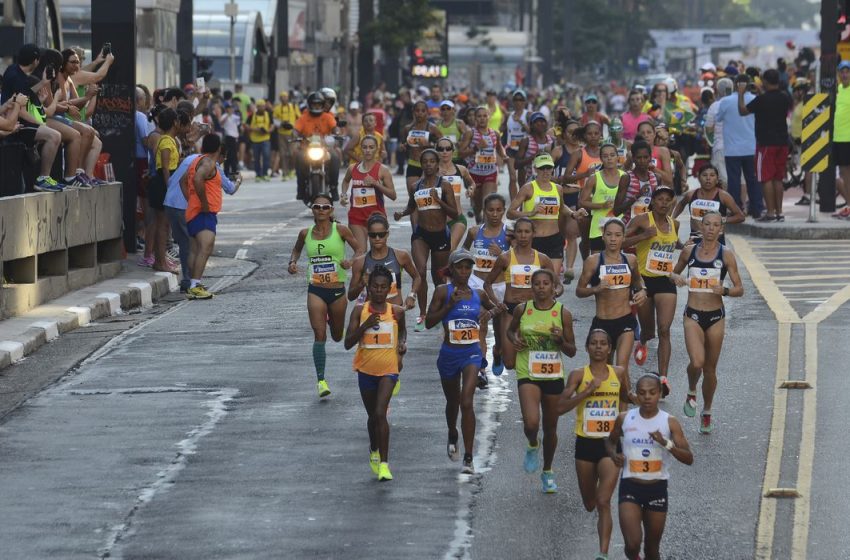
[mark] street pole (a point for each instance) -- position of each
(826, 84)
(345, 60)
(232, 10)
(813, 184)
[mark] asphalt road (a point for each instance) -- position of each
(193, 431)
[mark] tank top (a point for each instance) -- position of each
(391, 263)
(484, 261)
(595, 415)
(377, 351)
(212, 189)
(483, 162)
(519, 275)
(550, 200)
(462, 319)
(535, 148)
(324, 257)
(587, 162)
(619, 274)
(515, 130)
(645, 459)
(451, 131)
(699, 207)
(703, 276)
(363, 196)
(603, 192)
(641, 191)
(357, 151)
(541, 359)
(655, 256)
(656, 159)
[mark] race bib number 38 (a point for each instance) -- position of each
(599, 422)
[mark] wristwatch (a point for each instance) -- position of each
(725, 291)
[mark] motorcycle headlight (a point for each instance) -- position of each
(315, 153)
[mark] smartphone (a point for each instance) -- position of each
(200, 84)
(51, 73)
(107, 49)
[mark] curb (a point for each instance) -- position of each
(106, 304)
(776, 231)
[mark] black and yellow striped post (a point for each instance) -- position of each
(816, 133)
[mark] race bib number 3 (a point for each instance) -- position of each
(463, 331)
(379, 336)
(618, 275)
(640, 466)
(599, 422)
(363, 197)
(645, 461)
(703, 279)
(659, 262)
(544, 364)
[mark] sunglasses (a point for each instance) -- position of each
(378, 234)
(322, 207)
(443, 149)
(444, 108)
(591, 101)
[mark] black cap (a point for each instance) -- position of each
(29, 51)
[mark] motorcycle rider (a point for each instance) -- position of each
(316, 121)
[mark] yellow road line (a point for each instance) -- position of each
(829, 307)
(764, 282)
(802, 506)
(783, 268)
(812, 277)
(809, 285)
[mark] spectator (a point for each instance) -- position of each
(144, 128)
(841, 137)
(433, 102)
(285, 115)
(771, 110)
(715, 129)
(241, 97)
(230, 124)
(353, 120)
(739, 148)
(259, 127)
(167, 160)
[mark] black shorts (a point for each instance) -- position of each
(597, 244)
(658, 285)
(705, 319)
(548, 387)
(650, 497)
(591, 450)
(413, 171)
(275, 140)
(615, 327)
(156, 191)
(552, 245)
(842, 153)
(328, 295)
(437, 241)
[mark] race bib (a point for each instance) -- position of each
(703, 279)
(659, 262)
(361, 197)
(323, 271)
(484, 261)
(486, 156)
(521, 275)
(514, 141)
(418, 137)
(551, 207)
(598, 422)
(700, 208)
(456, 181)
(424, 200)
(463, 331)
(641, 205)
(618, 275)
(645, 460)
(544, 364)
(379, 336)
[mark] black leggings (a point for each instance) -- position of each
(231, 163)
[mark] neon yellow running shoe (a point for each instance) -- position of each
(323, 389)
(374, 461)
(397, 387)
(384, 472)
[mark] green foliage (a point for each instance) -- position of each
(398, 24)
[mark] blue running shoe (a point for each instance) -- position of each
(532, 459)
(548, 479)
(498, 366)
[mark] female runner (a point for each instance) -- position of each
(325, 241)
(461, 182)
(435, 203)
(484, 153)
(370, 182)
(538, 141)
(708, 261)
(419, 135)
(567, 145)
(647, 434)
(661, 161)
(709, 197)
(598, 392)
(636, 187)
(460, 308)
(598, 194)
(377, 328)
(541, 330)
(583, 164)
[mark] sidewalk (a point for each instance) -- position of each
(796, 224)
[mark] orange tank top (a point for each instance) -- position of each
(212, 189)
(587, 162)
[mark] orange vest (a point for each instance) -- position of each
(212, 189)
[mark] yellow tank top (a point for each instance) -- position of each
(596, 414)
(655, 256)
(519, 275)
(377, 351)
(551, 201)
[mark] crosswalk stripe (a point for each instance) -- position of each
(813, 277)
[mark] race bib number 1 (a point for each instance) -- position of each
(379, 336)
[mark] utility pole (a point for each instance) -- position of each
(826, 84)
(232, 10)
(345, 59)
(366, 51)
(546, 25)
(35, 29)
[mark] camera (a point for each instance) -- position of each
(107, 49)
(51, 73)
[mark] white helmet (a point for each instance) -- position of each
(330, 95)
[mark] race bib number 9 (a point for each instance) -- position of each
(364, 196)
(463, 331)
(544, 364)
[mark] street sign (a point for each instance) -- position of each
(816, 111)
(231, 9)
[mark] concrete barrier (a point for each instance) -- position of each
(53, 243)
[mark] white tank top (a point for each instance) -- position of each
(515, 131)
(645, 459)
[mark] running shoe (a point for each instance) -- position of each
(374, 461)
(532, 459)
(397, 387)
(705, 426)
(640, 353)
(843, 213)
(569, 275)
(79, 181)
(498, 366)
(780, 217)
(452, 451)
(665, 386)
(601, 556)
(145, 261)
(93, 181)
(174, 253)
(690, 408)
(384, 473)
(468, 467)
(766, 218)
(420, 324)
(548, 480)
(483, 383)
(47, 184)
(199, 292)
(321, 387)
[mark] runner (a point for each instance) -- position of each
(598, 392)
(420, 134)
(370, 182)
(459, 308)
(646, 432)
(536, 142)
(611, 276)
(453, 128)
(583, 164)
(514, 267)
(709, 197)
(656, 239)
(484, 154)
(488, 241)
(435, 206)
(461, 182)
(377, 328)
(598, 194)
(623, 146)
(541, 330)
(325, 241)
(678, 169)
(708, 261)
(353, 150)
(567, 145)
(636, 187)
(515, 130)
(381, 254)
(543, 201)
(660, 161)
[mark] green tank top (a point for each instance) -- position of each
(541, 360)
(551, 201)
(452, 131)
(324, 258)
(602, 192)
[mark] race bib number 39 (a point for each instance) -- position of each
(544, 364)
(424, 200)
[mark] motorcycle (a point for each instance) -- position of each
(317, 157)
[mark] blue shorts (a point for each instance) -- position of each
(204, 220)
(453, 359)
(370, 382)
